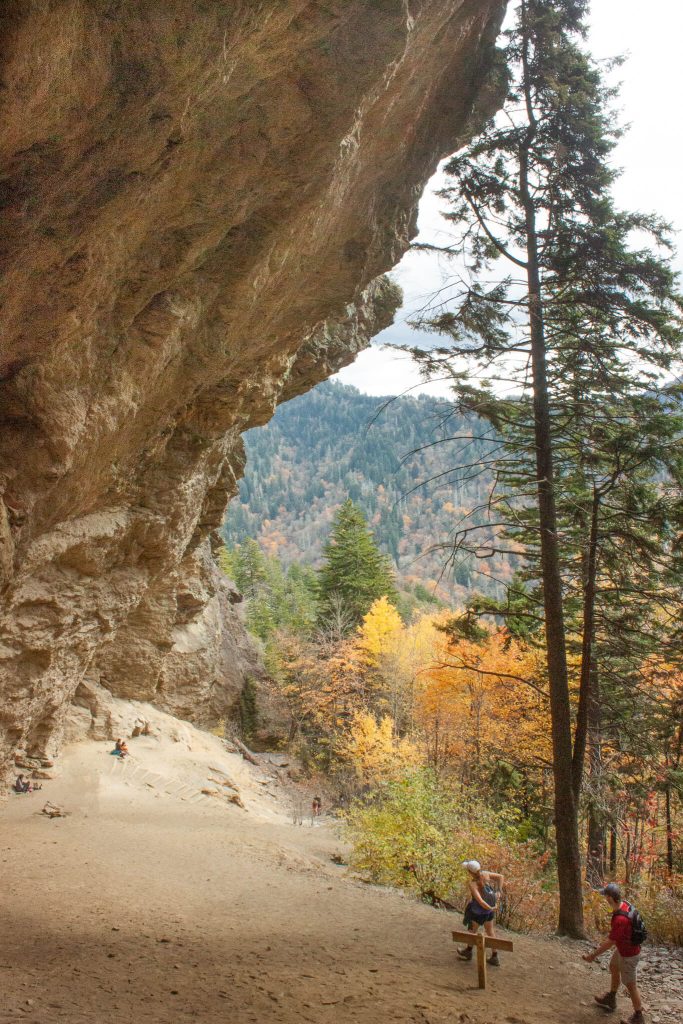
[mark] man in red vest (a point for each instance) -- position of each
(624, 963)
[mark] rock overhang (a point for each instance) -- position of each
(198, 200)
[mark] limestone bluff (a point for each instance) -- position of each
(197, 201)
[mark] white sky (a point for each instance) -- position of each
(651, 97)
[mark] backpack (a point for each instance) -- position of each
(638, 928)
(488, 895)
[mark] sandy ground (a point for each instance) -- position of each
(150, 904)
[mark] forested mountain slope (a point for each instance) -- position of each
(334, 443)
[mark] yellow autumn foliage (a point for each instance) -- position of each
(485, 698)
(373, 750)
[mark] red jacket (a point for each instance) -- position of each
(620, 932)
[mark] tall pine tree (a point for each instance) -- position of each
(581, 325)
(354, 572)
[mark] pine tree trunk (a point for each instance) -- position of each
(595, 854)
(627, 856)
(544, 803)
(566, 812)
(588, 674)
(612, 847)
(669, 833)
(595, 860)
(588, 729)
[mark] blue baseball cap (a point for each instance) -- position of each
(612, 890)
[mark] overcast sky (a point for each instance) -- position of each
(651, 97)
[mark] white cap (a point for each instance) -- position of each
(472, 865)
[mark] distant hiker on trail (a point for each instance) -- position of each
(626, 934)
(481, 909)
(317, 807)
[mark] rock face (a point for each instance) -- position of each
(197, 198)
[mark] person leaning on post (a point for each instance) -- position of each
(623, 964)
(481, 909)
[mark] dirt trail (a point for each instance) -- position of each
(142, 906)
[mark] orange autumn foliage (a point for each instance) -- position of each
(485, 699)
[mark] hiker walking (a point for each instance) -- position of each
(298, 811)
(627, 932)
(481, 908)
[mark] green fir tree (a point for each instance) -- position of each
(354, 572)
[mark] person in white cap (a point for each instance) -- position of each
(481, 909)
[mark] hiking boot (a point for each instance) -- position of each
(608, 1001)
(466, 953)
(635, 1018)
(493, 960)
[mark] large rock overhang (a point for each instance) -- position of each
(197, 198)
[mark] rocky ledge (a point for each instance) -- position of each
(197, 198)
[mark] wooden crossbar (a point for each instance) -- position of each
(490, 941)
(482, 942)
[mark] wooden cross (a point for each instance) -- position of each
(482, 942)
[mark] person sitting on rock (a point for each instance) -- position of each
(120, 749)
(22, 785)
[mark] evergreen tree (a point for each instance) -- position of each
(275, 599)
(246, 563)
(584, 324)
(354, 572)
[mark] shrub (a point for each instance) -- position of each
(248, 712)
(415, 833)
(402, 833)
(661, 904)
(530, 901)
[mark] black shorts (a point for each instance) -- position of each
(477, 915)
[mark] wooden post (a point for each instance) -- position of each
(482, 942)
(481, 959)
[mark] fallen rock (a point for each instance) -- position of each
(52, 811)
(222, 779)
